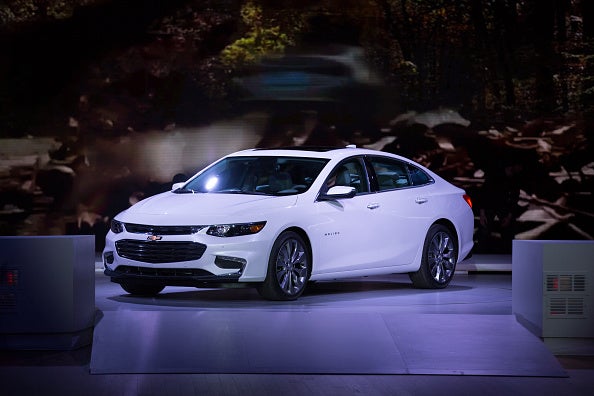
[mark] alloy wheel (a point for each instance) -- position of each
(291, 266)
(441, 257)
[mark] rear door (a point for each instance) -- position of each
(403, 207)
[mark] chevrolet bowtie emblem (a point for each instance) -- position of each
(154, 237)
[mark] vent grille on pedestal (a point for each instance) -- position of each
(566, 283)
(566, 295)
(8, 302)
(559, 307)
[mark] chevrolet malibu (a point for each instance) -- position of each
(278, 218)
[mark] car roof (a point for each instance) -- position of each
(312, 152)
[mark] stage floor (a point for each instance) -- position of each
(359, 326)
(361, 336)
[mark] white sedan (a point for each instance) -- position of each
(278, 218)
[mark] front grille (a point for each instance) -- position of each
(159, 251)
(161, 230)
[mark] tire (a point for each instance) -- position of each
(438, 264)
(142, 289)
(289, 268)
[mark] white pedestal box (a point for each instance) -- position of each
(552, 287)
(47, 291)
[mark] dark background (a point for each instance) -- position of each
(103, 102)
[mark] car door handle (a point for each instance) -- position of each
(421, 200)
(373, 206)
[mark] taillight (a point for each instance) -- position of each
(467, 199)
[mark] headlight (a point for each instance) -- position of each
(117, 226)
(230, 230)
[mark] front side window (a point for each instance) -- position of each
(350, 174)
(257, 175)
(390, 173)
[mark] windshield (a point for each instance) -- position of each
(257, 175)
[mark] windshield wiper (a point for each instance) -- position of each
(239, 191)
(232, 191)
(185, 191)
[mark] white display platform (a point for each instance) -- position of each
(552, 287)
(47, 291)
(486, 263)
(318, 341)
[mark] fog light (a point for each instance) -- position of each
(108, 258)
(227, 262)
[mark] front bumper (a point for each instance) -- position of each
(185, 260)
(169, 276)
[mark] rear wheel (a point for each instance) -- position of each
(440, 253)
(142, 289)
(288, 268)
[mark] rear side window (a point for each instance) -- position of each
(418, 176)
(391, 174)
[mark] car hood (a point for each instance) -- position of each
(203, 208)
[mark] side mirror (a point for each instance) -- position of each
(338, 192)
(175, 186)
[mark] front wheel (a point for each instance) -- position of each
(440, 253)
(288, 268)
